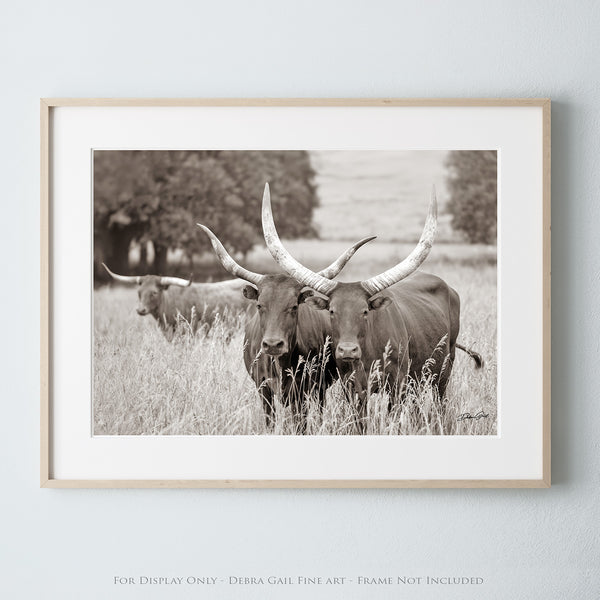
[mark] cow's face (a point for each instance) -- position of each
(150, 292)
(349, 306)
(277, 302)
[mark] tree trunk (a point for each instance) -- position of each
(160, 260)
(143, 264)
(118, 251)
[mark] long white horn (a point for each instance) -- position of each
(413, 261)
(123, 278)
(175, 281)
(289, 264)
(227, 261)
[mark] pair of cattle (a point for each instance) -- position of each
(415, 324)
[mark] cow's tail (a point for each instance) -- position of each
(474, 355)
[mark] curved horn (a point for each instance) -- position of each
(228, 263)
(175, 281)
(413, 261)
(285, 260)
(123, 278)
(334, 269)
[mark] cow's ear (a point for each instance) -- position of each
(379, 302)
(304, 295)
(318, 302)
(250, 292)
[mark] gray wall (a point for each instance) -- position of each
(526, 544)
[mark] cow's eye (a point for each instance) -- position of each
(331, 311)
(259, 306)
(294, 308)
(365, 312)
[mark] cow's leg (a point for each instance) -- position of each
(348, 392)
(300, 411)
(395, 381)
(266, 394)
(322, 397)
(397, 388)
(293, 397)
(445, 373)
(355, 390)
(302, 414)
(323, 379)
(361, 406)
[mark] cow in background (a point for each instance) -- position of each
(168, 299)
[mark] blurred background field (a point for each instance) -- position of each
(356, 189)
(144, 385)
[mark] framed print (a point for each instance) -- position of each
(295, 293)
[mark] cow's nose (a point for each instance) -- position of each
(273, 346)
(347, 351)
(141, 310)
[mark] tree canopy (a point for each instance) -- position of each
(159, 196)
(472, 183)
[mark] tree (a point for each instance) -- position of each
(472, 183)
(125, 197)
(290, 175)
(159, 196)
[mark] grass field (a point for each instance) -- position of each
(198, 385)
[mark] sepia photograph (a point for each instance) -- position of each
(295, 292)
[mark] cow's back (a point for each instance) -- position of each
(217, 297)
(223, 294)
(207, 299)
(424, 310)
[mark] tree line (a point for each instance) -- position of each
(159, 196)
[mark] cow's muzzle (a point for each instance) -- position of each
(142, 310)
(274, 346)
(347, 351)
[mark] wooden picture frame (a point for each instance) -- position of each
(48, 299)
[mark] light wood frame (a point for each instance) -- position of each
(46, 478)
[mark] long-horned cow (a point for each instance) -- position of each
(284, 333)
(168, 299)
(415, 324)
